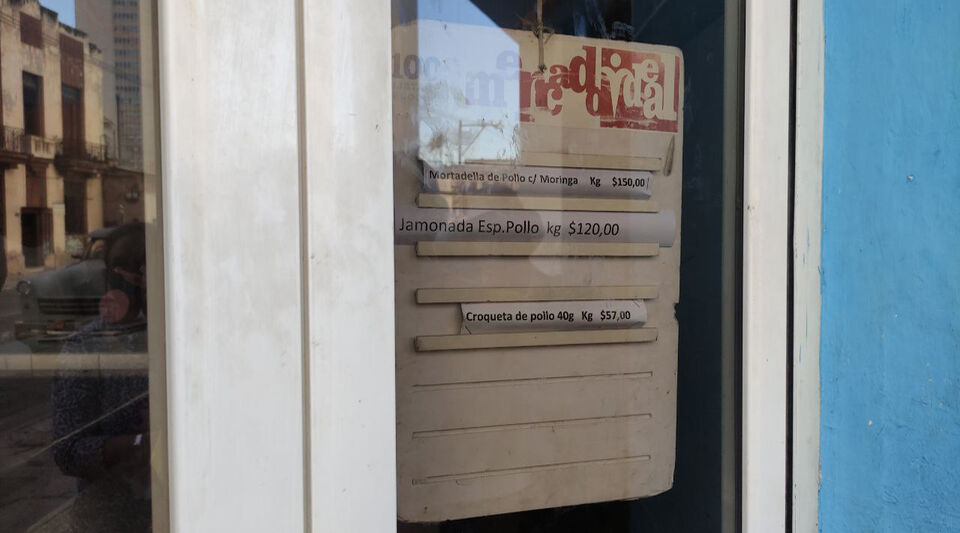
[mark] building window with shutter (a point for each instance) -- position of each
(33, 104)
(31, 32)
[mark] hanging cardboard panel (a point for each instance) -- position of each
(518, 186)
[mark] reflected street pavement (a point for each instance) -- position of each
(31, 485)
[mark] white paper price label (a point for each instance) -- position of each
(554, 316)
(414, 224)
(535, 181)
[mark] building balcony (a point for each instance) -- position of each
(13, 145)
(80, 156)
(82, 150)
(40, 147)
(13, 140)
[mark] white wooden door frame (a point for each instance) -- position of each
(232, 262)
(347, 146)
(323, 344)
(808, 198)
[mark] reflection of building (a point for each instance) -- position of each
(114, 26)
(52, 151)
(66, 125)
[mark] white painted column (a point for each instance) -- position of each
(349, 212)
(94, 202)
(58, 229)
(230, 195)
(15, 196)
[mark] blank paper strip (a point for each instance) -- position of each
(535, 294)
(435, 343)
(538, 249)
(537, 203)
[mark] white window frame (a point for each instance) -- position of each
(765, 248)
(285, 422)
(808, 198)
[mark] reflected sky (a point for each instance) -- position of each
(64, 8)
(466, 73)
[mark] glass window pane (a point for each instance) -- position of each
(81, 397)
(563, 209)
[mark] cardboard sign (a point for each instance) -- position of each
(537, 268)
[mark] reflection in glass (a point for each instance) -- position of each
(75, 424)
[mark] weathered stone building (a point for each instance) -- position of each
(54, 153)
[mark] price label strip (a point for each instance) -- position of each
(552, 316)
(535, 181)
(412, 224)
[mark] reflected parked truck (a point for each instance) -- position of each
(56, 303)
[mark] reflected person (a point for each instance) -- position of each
(101, 423)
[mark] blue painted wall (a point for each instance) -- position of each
(890, 353)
